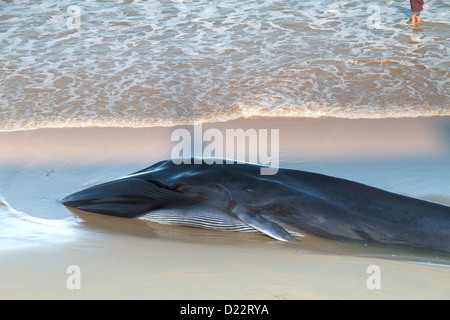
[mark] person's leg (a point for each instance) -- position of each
(413, 18)
(417, 18)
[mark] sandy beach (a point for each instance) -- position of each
(41, 240)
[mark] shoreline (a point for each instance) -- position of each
(240, 119)
(371, 128)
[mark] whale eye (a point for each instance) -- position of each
(159, 184)
(232, 204)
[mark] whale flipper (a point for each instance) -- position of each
(125, 198)
(260, 223)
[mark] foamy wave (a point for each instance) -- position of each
(165, 63)
(236, 112)
(380, 62)
(357, 112)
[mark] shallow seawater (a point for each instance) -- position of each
(144, 63)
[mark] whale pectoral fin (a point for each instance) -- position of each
(261, 224)
(125, 198)
(266, 226)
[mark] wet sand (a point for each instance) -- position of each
(126, 259)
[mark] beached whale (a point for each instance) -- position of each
(235, 197)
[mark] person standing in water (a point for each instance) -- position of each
(416, 7)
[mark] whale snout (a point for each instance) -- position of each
(125, 198)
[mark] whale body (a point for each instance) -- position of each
(235, 197)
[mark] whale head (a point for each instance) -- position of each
(126, 197)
